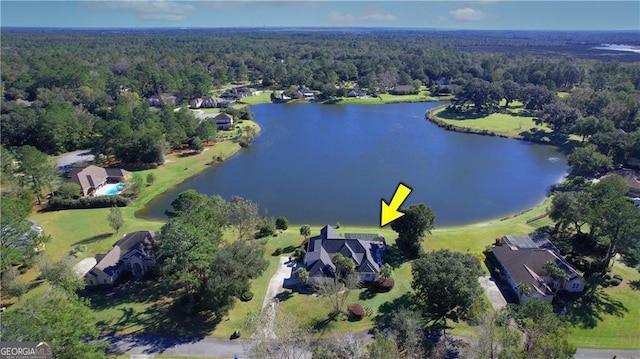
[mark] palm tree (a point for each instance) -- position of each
(555, 272)
(385, 271)
(523, 290)
(305, 231)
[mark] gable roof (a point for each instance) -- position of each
(92, 176)
(141, 241)
(223, 117)
(526, 266)
(88, 177)
(321, 249)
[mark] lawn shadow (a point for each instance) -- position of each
(287, 294)
(131, 291)
(449, 114)
(92, 239)
(367, 293)
(588, 310)
(321, 325)
(162, 318)
(388, 309)
(634, 284)
(394, 256)
(189, 154)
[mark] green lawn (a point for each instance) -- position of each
(424, 95)
(511, 124)
(614, 325)
(262, 97)
(616, 322)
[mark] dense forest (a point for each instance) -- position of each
(70, 89)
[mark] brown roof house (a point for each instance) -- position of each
(633, 180)
(132, 253)
(366, 250)
(93, 177)
(523, 259)
(224, 121)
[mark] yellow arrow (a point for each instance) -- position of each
(389, 212)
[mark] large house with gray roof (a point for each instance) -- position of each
(132, 253)
(522, 259)
(366, 250)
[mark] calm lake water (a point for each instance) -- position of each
(322, 164)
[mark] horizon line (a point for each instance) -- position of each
(304, 27)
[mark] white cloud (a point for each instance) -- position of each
(146, 9)
(340, 17)
(467, 14)
(379, 16)
(336, 16)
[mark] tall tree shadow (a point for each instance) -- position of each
(92, 239)
(394, 256)
(388, 309)
(589, 310)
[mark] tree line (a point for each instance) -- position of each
(91, 92)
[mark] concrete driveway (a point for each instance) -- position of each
(493, 293)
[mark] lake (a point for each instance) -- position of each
(322, 164)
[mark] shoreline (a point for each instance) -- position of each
(138, 216)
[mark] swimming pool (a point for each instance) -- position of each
(109, 189)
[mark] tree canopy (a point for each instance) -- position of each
(59, 318)
(418, 219)
(446, 284)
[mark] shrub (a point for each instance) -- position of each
(607, 276)
(266, 229)
(282, 223)
(357, 311)
(246, 296)
(618, 277)
(299, 254)
(277, 252)
(15, 288)
(150, 178)
(58, 203)
(386, 285)
(615, 282)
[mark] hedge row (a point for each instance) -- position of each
(58, 203)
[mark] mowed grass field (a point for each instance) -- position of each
(514, 123)
(614, 324)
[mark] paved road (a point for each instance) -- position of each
(179, 346)
(607, 354)
(137, 345)
(71, 158)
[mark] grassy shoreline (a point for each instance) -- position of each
(471, 238)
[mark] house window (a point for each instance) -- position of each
(104, 281)
(575, 286)
(90, 281)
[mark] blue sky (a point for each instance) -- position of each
(452, 14)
